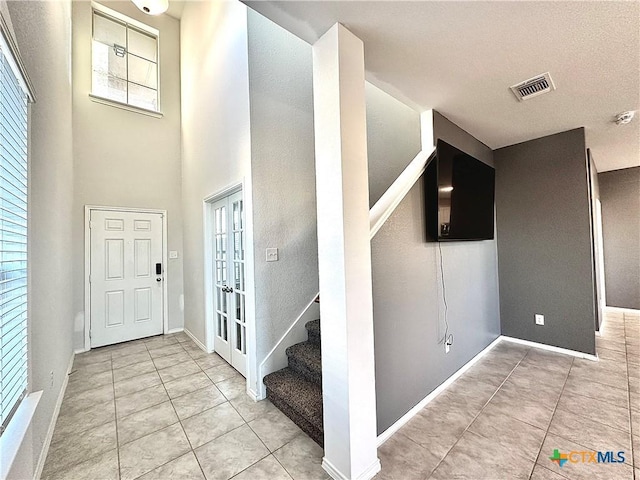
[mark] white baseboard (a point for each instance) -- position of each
(384, 436)
(622, 310)
(253, 395)
(54, 419)
(196, 341)
(174, 330)
(550, 348)
(336, 474)
(79, 351)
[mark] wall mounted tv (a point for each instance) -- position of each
(460, 192)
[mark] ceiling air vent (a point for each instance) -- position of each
(533, 87)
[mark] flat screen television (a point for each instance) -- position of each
(460, 193)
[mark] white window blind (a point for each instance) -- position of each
(13, 236)
(124, 60)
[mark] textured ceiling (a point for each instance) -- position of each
(460, 58)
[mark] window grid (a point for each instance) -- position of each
(13, 240)
(126, 79)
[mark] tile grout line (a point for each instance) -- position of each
(546, 433)
(626, 353)
(115, 419)
(179, 421)
(192, 451)
(478, 414)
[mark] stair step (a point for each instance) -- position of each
(305, 358)
(313, 331)
(299, 399)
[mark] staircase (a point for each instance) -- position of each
(297, 389)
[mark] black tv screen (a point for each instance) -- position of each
(460, 192)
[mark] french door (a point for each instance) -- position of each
(230, 330)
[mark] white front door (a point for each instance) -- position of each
(126, 276)
(229, 281)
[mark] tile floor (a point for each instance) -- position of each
(161, 408)
(505, 416)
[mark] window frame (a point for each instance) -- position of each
(25, 401)
(129, 23)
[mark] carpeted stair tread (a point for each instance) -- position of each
(305, 358)
(313, 331)
(306, 426)
(299, 394)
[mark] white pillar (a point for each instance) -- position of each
(344, 255)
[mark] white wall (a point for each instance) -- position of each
(123, 158)
(283, 177)
(215, 128)
(43, 32)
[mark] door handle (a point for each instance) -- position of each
(159, 279)
(226, 289)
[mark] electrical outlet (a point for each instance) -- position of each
(539, 319)
(272, 254)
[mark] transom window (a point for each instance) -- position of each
(124, 60)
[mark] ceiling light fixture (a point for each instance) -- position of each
(152, 7)
(624, 117)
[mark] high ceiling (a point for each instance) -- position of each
(460, 58)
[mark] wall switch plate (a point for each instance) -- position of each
(539, 319)
(173, 254)
(272, 254)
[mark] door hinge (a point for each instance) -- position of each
(89, 334)
(90, 224)
(89, 278)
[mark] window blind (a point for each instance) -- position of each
(13, 236)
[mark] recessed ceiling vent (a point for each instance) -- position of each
(533, 87)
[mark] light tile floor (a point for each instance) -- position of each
(161, 408)
(507, 414)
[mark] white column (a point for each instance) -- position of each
(344, 255)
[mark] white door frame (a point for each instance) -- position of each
(87, 265)
(250, 307)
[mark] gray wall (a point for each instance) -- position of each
(407, 297)
(544, 241)
(620, 197)
(283, 177)
(127, 159)
(393, 139)
(43, 31)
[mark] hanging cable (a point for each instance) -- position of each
(446, 338)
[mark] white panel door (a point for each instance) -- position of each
(126, 276)
(229, 281)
